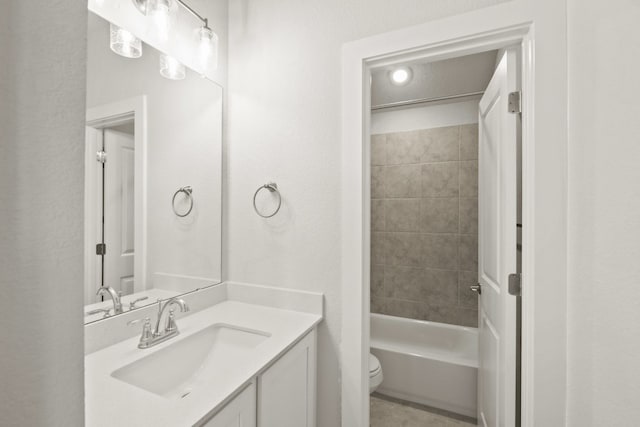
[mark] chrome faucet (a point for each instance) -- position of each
(150, 337)
(115, 296)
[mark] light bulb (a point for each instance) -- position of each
(160, 13)
(401, 76)
(208, 49)
(124, 43)
(171, 68)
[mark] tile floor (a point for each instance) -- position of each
(389, 412)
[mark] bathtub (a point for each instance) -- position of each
(430, 363)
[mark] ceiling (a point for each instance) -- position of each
(454, 76)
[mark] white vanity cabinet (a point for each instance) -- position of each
(285, 395)
(287, 389)
(240, 412)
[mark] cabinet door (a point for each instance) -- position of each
(240, 412)
(287, 389)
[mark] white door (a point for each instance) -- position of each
(497, 248)
(118, 210)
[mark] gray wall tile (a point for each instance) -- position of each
(402, 214)
(378, 150)
(379, 305)
(468, 251)
(440, 179)
(439, 215)
(377, 214)
(403, 282)
(403, 249)
(469, 179)
(402, 181)
(469, 142)
(421, 285)
(424, 224)
(440, 251)
(403, 308)
(404, 148)
(377, 182)
(377, 280)
(440, 144)
(377, 248)
(468, 215)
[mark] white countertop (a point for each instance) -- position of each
(111, 402)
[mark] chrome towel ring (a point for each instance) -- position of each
(273, 188)
(188, 191)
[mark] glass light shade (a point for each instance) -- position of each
(208, 49)
(171, 68)
(160, 13)
(124, 43)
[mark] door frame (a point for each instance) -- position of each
(100, 117)
(543, 318)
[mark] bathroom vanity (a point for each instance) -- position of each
(234, 354)
(234, 363)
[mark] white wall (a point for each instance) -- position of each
(284, 125)
(42, 80)
(425, 117)
(184, 148)
(604, 214)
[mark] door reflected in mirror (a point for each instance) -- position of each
(153, 182)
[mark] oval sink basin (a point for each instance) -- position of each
(176, 370)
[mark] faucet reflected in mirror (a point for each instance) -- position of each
(115, 297)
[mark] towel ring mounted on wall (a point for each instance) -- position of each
(273, 188)
(188, 191)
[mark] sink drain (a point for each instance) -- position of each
(185, 394)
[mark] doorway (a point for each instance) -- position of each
(438, 238)
(360, 59)
(115, 197)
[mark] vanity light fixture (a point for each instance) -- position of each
(171, 68)
(124, 43)
(208, 48)
(400, 76)
(161, 13)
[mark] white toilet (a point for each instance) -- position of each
(375, 373)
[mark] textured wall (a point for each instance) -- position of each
(284, 125)
(604, 214)
(424, 220)
(42, 89)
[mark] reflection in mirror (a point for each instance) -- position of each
(153, 154)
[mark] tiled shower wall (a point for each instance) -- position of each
(424, 220)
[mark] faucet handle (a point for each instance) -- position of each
(133, 303)
(171, 322)
(146, 329)
(105, 311)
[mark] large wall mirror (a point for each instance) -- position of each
(153, 181)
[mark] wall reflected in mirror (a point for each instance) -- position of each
(153, 181)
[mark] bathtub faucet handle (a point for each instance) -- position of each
(476, 288)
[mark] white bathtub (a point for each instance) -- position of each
(430, 363)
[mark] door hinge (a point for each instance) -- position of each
(101, 156)
(101, 249)
(515, 284)
(515, 102)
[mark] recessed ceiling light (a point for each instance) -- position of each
(400, 76)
